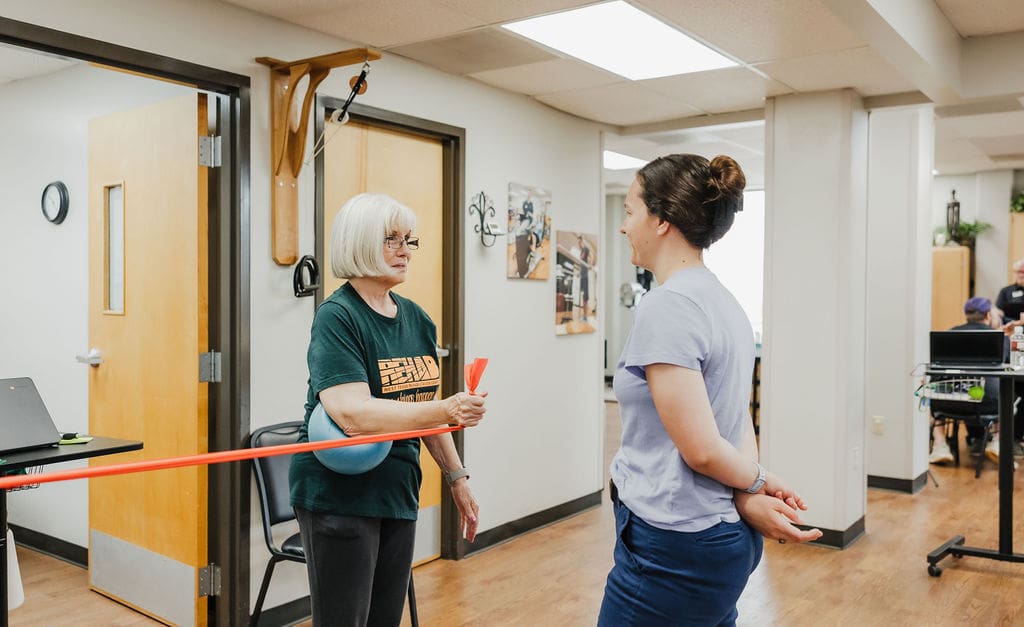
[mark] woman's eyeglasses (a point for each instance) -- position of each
(394, 242)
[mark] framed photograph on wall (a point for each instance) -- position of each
(529, 232)
(575, 283)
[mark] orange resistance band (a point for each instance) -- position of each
(218, 457)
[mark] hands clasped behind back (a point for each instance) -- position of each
(465, 409)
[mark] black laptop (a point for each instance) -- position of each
(966, 350)
(24, 421)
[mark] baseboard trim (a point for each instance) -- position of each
(49, 545)
(290, 613)
(908, 486)
(839, 539)
(509, 530)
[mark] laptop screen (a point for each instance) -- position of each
(967, 348)
(24, 421)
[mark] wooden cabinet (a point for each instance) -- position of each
(950, 278)
(1016, 247)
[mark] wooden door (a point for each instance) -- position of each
(362, 158)
(148, 318)
(950, 280)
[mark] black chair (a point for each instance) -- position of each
(984, 416)
(272, 486)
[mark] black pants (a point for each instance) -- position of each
(358, 568)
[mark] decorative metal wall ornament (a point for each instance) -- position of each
(483, 206)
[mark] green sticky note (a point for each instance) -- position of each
(82, 439)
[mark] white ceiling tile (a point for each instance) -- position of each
(475, 51)
(959, 156)
(377, 23)
(944, 131)
(972, 18)
(743, 142)
(860, 68)
(547, 77)
(510, 10)
(718, 91)
(987, 125)
(1004, 145)
(619, 103)
(749, 134)
(639, 146)
(748, 137)
(758, 30)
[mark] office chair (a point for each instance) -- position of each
(272, 485)
(984, 414)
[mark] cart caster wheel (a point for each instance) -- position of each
(934, 570)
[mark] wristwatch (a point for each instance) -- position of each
(451, 476)
(759, 482)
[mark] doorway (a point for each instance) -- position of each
(419, 162)
(227, 272)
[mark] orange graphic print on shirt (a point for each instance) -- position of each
(404, 373)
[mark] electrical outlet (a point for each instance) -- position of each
(878, 425)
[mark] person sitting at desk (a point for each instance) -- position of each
(978, 312)
(1011, 301)
(1011, 298)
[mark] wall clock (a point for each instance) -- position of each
(55, 202)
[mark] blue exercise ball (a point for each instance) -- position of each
(347, 460)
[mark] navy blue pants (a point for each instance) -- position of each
(674, 578)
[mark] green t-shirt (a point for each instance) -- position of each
(397, 358)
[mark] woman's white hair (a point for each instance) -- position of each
(358, 232)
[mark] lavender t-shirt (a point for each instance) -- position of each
(694, 322)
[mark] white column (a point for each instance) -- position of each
(900, 156)
(814, 353)
(992, 250)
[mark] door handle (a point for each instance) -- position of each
(442, 352)
(93, 358)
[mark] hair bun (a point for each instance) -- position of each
(727, 175)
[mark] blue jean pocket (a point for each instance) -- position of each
(623, 546)
(721, 535)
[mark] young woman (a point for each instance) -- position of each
(683, 552)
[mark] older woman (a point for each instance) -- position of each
(683, 553)
(373, 367)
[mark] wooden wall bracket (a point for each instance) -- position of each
(289, 125)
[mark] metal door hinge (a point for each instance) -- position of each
(209, 151)
(209, 581)
(209, 367)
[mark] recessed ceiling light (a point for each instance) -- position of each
(619, 161)
(621, 39)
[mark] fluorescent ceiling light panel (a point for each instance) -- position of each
(621, 39)
(619, 161)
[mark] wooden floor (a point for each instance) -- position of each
(555, 576)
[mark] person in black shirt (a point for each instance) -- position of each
(1011, 297)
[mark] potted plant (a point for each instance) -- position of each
(1017, 203)
(968, 232)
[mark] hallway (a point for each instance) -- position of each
(555, 575)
